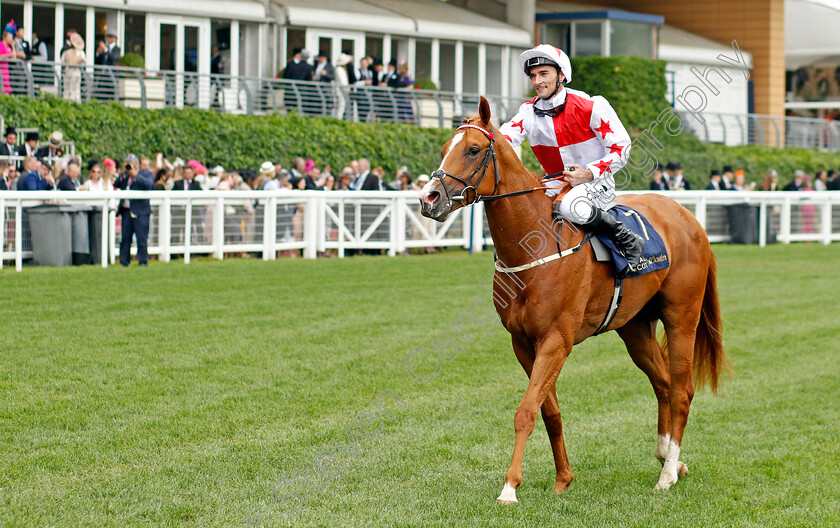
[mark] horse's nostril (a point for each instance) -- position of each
(432, 197)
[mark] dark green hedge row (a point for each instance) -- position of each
(237, 141)
(234, 141)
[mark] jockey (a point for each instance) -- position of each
(580, 136)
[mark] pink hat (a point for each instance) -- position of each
(109, 163)
(309, 164)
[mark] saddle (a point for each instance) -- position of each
(654, 256)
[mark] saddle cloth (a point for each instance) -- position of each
(654, 255)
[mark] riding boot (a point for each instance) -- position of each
(628, 242)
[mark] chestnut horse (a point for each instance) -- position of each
(561, 302)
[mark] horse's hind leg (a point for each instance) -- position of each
(639, 335)
(680, 320)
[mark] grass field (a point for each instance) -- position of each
(184, 395)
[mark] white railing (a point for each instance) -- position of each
(220, 223)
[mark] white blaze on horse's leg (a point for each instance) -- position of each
(662, 447)
(668, 477)
(455, 140)
(508, 495)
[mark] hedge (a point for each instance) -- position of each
(239, 141)
(234, 141)
(635, 87)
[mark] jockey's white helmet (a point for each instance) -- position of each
(546, 54)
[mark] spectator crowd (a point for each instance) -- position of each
(673, 179)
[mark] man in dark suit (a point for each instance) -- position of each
(324, 71)
(70, 180)
(796, 183)
(30, 147)
(189, 183)
(10, 147)
(135, 213)
(715, 181)
(367, 181)
(107, 54)
(32, 180)
(298, 69)
(22, 45)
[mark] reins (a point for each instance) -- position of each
(489, 154)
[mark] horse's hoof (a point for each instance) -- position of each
(508, 495)
(507, 502)
(664, 483)
(560, 487)
(683, 470)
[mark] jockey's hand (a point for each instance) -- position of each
(576, 175)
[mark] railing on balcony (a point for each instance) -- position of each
(246, 95)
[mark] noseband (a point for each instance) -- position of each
(489, 154)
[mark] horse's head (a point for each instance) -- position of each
(468, 168)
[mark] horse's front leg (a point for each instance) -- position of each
(551, 353)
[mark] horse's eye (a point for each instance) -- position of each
(474, 150)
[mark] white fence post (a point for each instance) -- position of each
(165, 229)
(784, 226)
(219, 229)
(762, 224)
(310, 229)
(700, 211)
(106, 234)
(2, 229)
(341, 228)
(270, 229)
(19, 236)
(393, 228)
(187, 231)
(826, 223)
(477, 220)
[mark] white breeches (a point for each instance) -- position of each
(579, 204)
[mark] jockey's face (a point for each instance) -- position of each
(544, 79)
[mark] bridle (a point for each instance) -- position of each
(489, 154)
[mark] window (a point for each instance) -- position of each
(447, 66)
(44, 25)
(374, 46)
(494, 70)
(587, 39)
(470, 68)
(295, 38)
(423, 59)
(135, 34)
(558, 34)
(630, 38)
(629, 33)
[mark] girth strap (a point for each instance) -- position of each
(614, 304)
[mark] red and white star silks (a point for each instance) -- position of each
(587, 133)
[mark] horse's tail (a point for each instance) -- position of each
(709, 355)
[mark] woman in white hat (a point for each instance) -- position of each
(342, 84)
(72, 58)
(579, 136)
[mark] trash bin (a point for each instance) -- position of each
(51, 233)
(95, 234)
(59, 234)
(743, 223)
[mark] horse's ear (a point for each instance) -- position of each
(484, 111)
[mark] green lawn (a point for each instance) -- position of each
(181, 395)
